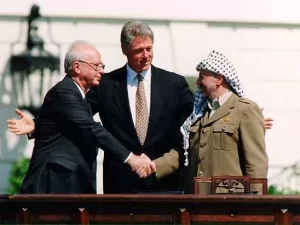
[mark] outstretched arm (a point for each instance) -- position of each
(76, 123)
(26, 125)
(169, 162)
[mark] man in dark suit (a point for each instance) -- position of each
(167, 102)
(67, 137)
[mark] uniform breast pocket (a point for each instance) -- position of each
(223, 136)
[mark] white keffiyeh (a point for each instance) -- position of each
(215, 62)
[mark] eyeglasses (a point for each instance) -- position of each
(98, 68)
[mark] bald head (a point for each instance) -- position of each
(84, 65)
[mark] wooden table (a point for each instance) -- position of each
(148, 209)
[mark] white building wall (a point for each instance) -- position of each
(260, 37)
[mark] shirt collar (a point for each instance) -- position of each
(131, 74)
(217, 102)
(81, 91)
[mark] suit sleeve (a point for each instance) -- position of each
(252, 134)
(72, 114)
(170, 161)
(32, 134)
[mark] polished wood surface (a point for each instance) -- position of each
(149, 208)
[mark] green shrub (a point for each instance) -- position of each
(17, 174)
(273, 190)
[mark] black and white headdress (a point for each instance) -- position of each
(215, 62)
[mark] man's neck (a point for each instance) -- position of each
(131, 74)
(79, 83)
(219, 93)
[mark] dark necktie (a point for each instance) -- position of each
(142, 117)
(213, 104)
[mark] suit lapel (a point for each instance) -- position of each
(70, 83)
(122, 102)
(156, 104)
(205, 117)
(194, 132)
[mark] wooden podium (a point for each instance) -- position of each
(149, 209)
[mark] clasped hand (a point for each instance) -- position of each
(142, 165)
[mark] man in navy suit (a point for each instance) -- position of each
(67, 137)
(167, 101)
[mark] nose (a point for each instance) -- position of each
(101, 71)
(145, 53)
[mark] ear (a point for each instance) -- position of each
(76, 67)
(220, 79)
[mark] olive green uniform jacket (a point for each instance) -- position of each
(230, 142)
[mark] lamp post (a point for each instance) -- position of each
(32, 69)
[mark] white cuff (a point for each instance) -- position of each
(128, 157)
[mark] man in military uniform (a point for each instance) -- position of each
(225, 134)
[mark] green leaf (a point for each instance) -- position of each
(17, 174)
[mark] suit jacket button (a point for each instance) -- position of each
(200, 173)
(204, 131)
(202, 144)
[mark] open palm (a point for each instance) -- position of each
(24, 125)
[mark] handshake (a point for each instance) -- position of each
(142, 165)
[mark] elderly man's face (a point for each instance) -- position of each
(91, 67)
(208, 83)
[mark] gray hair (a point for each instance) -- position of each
(135, 28)
(73, 54)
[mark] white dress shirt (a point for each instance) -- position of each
(132, 83)
(81, 91)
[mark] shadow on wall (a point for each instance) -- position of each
(11, 146)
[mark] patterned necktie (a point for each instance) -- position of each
(142, 117)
